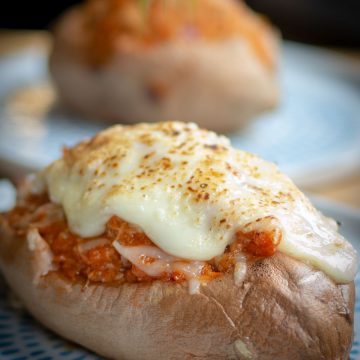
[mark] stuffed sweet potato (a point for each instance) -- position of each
(163, 242)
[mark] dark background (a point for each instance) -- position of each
(326, 22)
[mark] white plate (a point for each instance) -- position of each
(22, 338)
(315, 130)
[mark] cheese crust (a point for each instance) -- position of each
(191, 193)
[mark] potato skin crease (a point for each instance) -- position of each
(284, 309)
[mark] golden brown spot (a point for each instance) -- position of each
(149, 155)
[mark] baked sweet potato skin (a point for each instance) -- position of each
(284, 309)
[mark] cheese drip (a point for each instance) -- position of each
(190, 192)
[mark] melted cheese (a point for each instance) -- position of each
(161, 263)
(190, 191)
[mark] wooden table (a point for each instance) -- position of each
(346, 191)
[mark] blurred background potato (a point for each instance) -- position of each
(329, 23)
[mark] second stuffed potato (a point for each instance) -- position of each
(209, 61)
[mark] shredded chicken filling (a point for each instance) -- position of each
(99, 260)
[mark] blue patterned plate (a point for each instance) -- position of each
(315, 130)
(22, 338)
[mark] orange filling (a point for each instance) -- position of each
(128, 24)
(96, 260)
